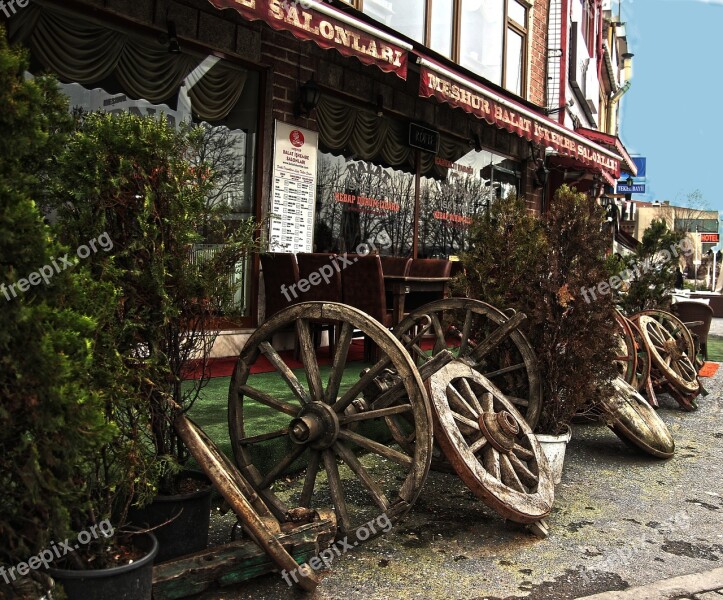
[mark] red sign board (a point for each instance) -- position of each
(326, 31)
(540, 130)
(709, 238)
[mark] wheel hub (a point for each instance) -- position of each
(500, 429)
(671, 347)
(317, 425)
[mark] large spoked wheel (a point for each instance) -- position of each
(669, 353)
(483, 337)
(626, 358)
(634, 421)
(323, 418)
(489, 444)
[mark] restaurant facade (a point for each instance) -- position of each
(347, 125)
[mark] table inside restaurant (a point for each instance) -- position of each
(400, 286)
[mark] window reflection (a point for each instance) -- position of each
(481, 37)
(405, 16)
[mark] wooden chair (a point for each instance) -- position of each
(699, 316)
(426, 267)
(363, 288)
(396, 265)
(281, 278)
(324, 277)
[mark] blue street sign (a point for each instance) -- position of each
(636, 188)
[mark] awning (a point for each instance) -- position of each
(460, 92)
(613, 143)
(328, 28)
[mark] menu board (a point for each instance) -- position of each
(293, 192)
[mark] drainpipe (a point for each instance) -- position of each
(627, 57)
(564, 58)
(599, 14)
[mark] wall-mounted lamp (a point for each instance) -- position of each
(309, 94)
(173, 46)
(629, 181)
(541, 174)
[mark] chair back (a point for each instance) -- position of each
(695, 311)
(363, 285)
(281, 278)
(430, 267)
(396, 266)
(323, 275)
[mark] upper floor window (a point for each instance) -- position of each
(488, 37)
(588, 25)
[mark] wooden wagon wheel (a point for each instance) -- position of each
(678, 330)
(325, 422)
(484, 337)
(668, 357)
(489, 444)
(643, 379)
(634, 421)
(626, 358)
(251, 512)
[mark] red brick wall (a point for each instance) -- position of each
(538, 53)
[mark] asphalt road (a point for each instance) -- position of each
(621, 519)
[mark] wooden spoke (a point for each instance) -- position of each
(526, 476)
(286, 374)
(523, 453)
(478, 445)
(518, 401)
(496, 337)
(491, 461)
(254, 439)
(488, 402)
(336, 490)
(505, 370)
(363, 475)
(308, 357)
(466, 330)
(458, 400)
(310, 479)
(359, 386)
(470, 396)
(465, 421)
(375, 414)
(279, 469)
(440, 343)
(376, 447)
(266, 399)
(509, 476)
(340, 355)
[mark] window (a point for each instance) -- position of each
(488, 37)
(588, 25)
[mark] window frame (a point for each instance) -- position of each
(522, 29)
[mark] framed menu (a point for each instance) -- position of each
(293, 192)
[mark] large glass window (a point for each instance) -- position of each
(358, 202)
(229, 147)
(488, 37)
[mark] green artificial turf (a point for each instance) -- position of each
(210, 412)
(715, 349)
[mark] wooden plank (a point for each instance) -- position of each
(238, 561)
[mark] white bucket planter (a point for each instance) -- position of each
(554, 447)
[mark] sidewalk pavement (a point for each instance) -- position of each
(698, 586)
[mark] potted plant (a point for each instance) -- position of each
(62, 461)
(541, 267)
(139, 181)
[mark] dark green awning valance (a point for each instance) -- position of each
(86, 51)
(359, 132)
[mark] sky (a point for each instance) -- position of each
(673, 112)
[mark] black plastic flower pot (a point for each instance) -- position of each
(180, 522)
(127, 582)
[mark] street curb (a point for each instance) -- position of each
(668, 589)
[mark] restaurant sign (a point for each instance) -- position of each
(326, 31)
(423, 138)
(433, 84)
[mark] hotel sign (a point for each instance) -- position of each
(432, 84)
(325, 31)
(709, 238)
